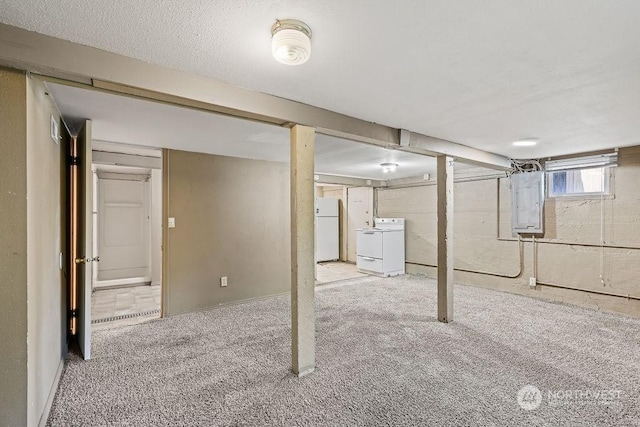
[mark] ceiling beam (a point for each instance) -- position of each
(428, 145)
(53, 57)
(321, 178)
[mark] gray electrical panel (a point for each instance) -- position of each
(527, 202)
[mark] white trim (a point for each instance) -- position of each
(128, 160)
(121, 282)
(607, 176)
(585, 162)
(144, 179)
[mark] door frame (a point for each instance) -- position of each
(82, 238)
(348, 216)
(135, 175)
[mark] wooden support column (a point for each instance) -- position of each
(445, 238)
(303, 318)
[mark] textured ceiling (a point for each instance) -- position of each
(481, 73)
(128, 120)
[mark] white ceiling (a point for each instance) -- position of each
(128, 120)
(481, 73)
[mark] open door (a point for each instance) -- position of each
(359, 215)
(84, 239)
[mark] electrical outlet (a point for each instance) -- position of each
(223, 281)
(532, 282)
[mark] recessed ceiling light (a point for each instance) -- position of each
(525, 143)
(291, 41)
(388, 167)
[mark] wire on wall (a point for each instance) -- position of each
(487, 273)
(521, 166)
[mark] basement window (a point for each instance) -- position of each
(583, 176)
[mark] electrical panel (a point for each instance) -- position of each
(527, 202)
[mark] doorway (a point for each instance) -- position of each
(127, 237)
(359, 215)
(329, 269)
(122, 226)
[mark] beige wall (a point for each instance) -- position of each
(32, 308)
(13, 248)
(44, 243)
(232, 219)
(332, 192)
(477, 247)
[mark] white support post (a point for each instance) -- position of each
(303, 319)
(445, 238)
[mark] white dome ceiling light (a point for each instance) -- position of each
(388, 167)
(529, 142)
(291, 41)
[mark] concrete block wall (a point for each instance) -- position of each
(483, 240)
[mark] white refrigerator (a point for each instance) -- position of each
(327, 230)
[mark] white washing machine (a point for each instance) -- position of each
(380, 249)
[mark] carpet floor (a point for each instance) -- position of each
(382, 359)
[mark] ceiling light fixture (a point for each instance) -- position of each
(525, 143)
(388, 167)
(291, 41)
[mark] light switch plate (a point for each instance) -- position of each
(55, 130)
(172, 223)
(223, 281)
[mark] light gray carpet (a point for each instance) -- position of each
(382, 359)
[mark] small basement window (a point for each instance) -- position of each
(579, 182)
(583, 176)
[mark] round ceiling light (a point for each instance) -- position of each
(291, 41)
(525, 143)
(388, 167)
